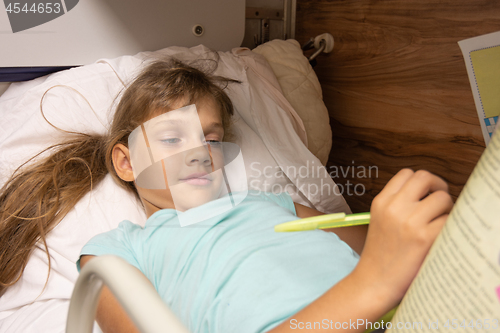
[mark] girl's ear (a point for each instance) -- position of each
(121, 162)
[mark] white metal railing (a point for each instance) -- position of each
(130, 287)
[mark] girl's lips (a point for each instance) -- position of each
(196, 181)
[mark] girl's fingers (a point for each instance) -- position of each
(397, 181)
(433, 206)
(435, 227)
(421, 183)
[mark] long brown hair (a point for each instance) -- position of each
(39, 195)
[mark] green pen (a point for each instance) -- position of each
(326, 221)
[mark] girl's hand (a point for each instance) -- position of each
(406, 218)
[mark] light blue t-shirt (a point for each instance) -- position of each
(231, 273)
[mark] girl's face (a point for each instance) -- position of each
(180, 165)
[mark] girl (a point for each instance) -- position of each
(235, 274)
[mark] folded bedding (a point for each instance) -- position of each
(301, 87)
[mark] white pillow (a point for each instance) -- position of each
(270, 134)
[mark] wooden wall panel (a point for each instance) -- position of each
(396, 86)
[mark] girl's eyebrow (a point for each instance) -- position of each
(213, 126)
(169, 122)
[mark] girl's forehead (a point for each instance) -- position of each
(184, 118)
(201, 105)
(185, 113)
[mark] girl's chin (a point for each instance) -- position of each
(191, 196)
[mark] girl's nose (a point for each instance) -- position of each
(199, 155)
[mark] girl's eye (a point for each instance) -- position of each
(171, 141)
(214, 142)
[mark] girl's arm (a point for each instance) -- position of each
(110, 316)
(406, 218)
(354, 236)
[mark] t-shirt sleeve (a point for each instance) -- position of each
(283, 199)
(118, 242)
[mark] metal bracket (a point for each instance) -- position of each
(264, 15)
(267, 23)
